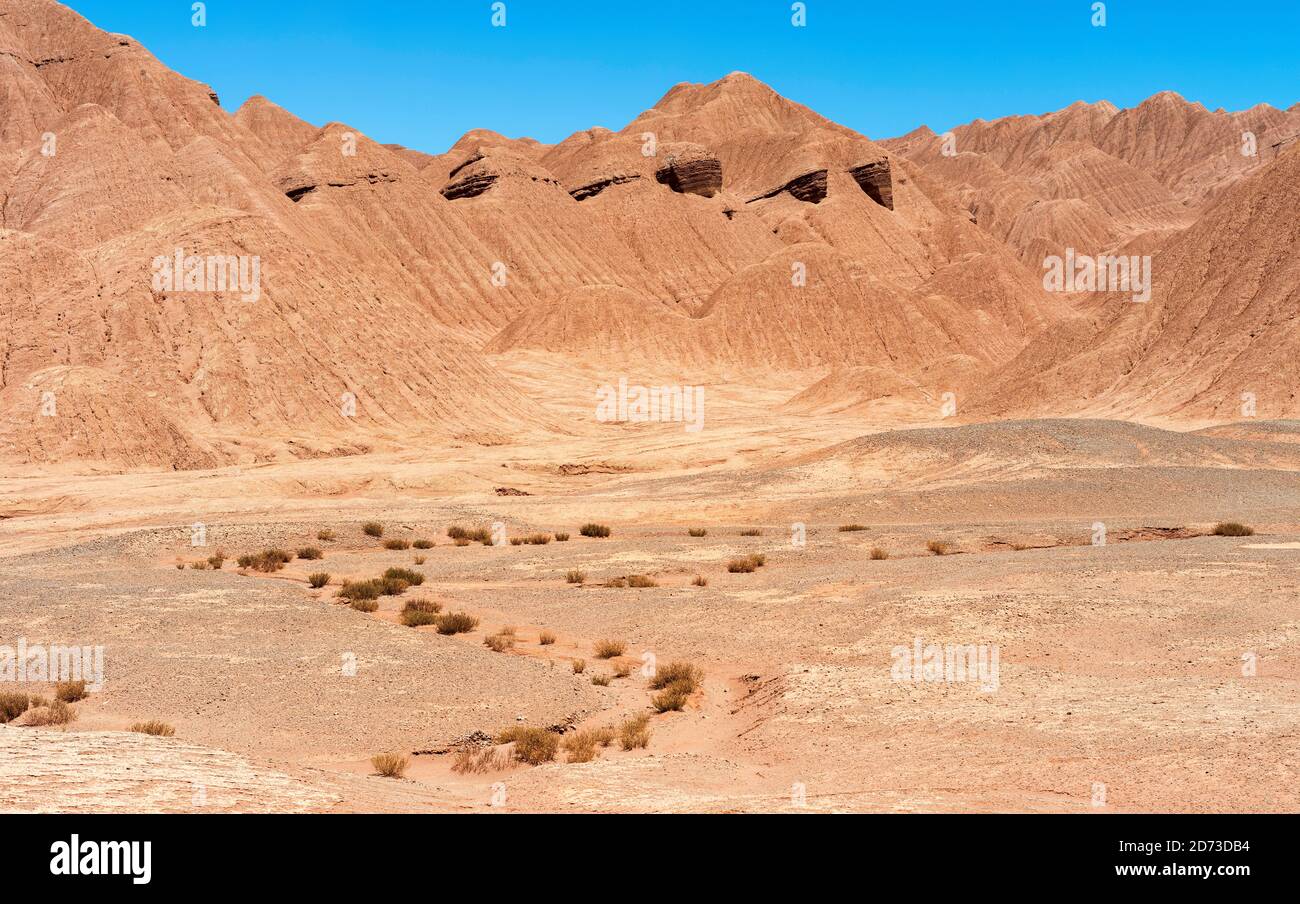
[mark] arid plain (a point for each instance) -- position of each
(901, 439)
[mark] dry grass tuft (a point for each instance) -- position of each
(70, 691)
(57, 713)
(546, 638)
(584, 746)
(419, 560)
(533, 746)
(390, 765)
(372, 529)
(608, 649)
(360, 590)
(698, 532)
(1233, 529)
(682, 673)
(423, 544)
(622, 671)
(310, 554)
(537, 539)
(700, 581)
(670, 699)
(939, 547)
(747, 565)
(879, 554)
(576, 577)
(412, 578)
(365, 605)
(397, 545)
(326, 536)
(499, 643)
(473, 761)
(751, 532)
(561, 538)
(600, 531)
(217, 562)
(155, 728)
(601, 680)
(456, 623)
(852, 528)
(579, 666)
(641, 581)
(635, 732)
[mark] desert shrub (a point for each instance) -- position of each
(561, 538)
(12, 705)
(546, 638)
(671, 699)
(622, 671)
(423, 544)
(751, 532)
(533, 746)
(310, 554)
(700, 581)
(269, 561)
(372, 529)
(456, 532)
(583, 747)
(603, 736)
(499, 643)
(939, 547)
(852, 528)
(615, 582)
(537, 539)
(635, 732)
(180, 566)
(579, 666)
(682, 673)
(397, 545)
(698, 532)
(601, 680)
(481, 535)
(57, 713)
(390, 765)
(576, 577)
(508, 631)
(516, 541)
(244, 561)
(70, 691)
(1233, 529)
(199, 566)
(217, 562)
(366, 605)
(393, 586)
(155, 728)
(608, 649)
(423, 605)
(641, 581)
(419, 560)
(600, 531)
(879, 554)
(413, 578)
(475, 535)
(325, 536)
(456, 623)
(360, 590)
(415, 618)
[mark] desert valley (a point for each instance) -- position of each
(730, 461)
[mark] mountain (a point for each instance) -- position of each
(728, 233)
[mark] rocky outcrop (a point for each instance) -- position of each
(692, 172)
(810, 188)
(483, 171)
(590, 190)
(876, 179)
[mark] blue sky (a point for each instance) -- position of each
(423, 73)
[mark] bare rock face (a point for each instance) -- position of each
(877, 181)
(692, 171)
(810, 188)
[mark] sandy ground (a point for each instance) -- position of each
(1119, 687)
